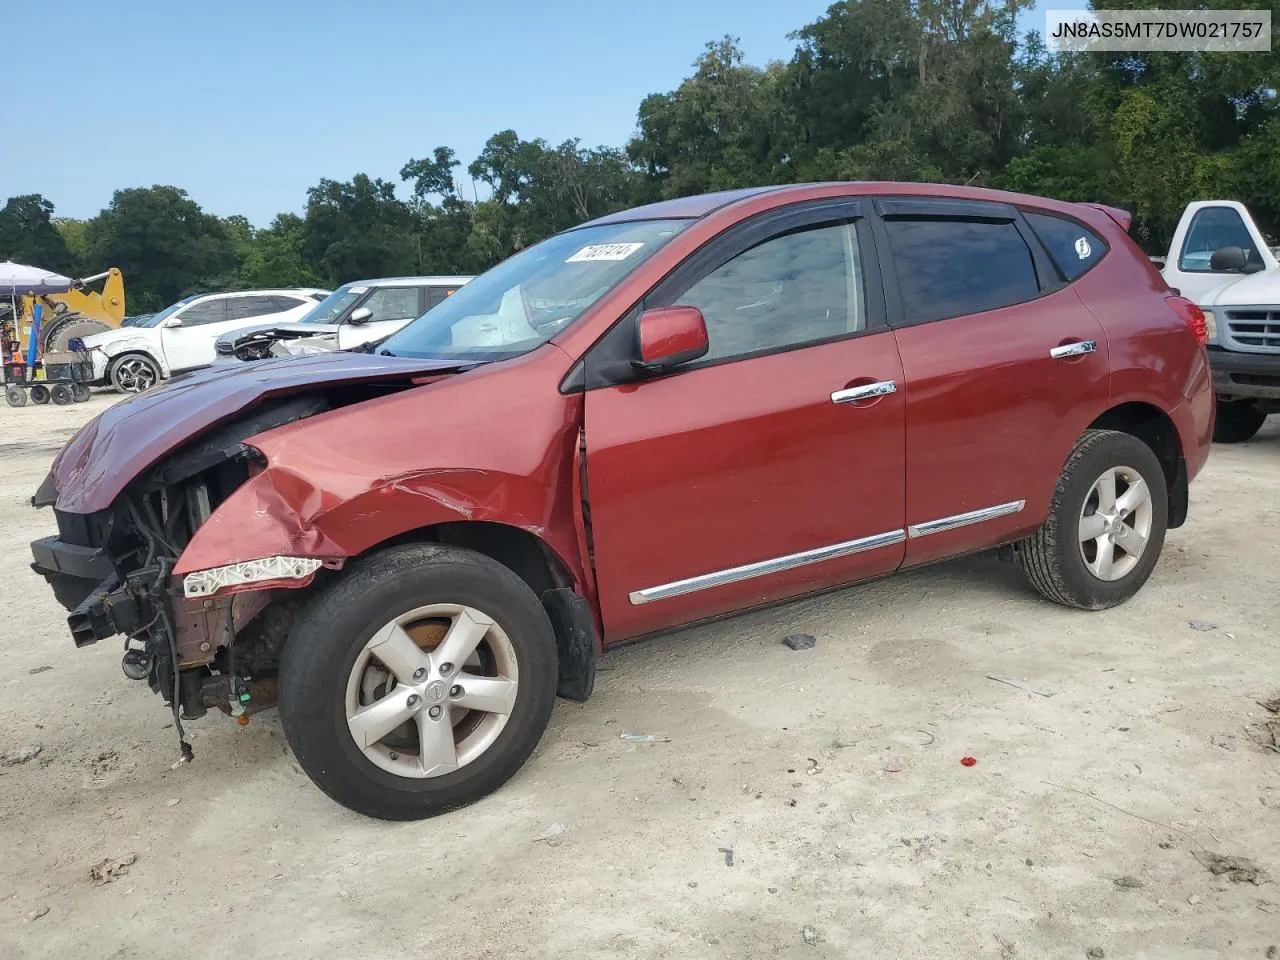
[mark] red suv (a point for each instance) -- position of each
(666, 415)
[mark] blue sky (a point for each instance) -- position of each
(246, 104)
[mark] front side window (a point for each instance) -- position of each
(1213, 228)
(393, 303)
(213, 310)
(524, 301)
(246, 308)
(1074, 247)
(792, 289)
(947, 268)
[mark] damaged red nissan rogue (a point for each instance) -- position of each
(663, 416)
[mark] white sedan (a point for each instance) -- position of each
(182, 336)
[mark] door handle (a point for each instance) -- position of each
(865, 392)
(1074, 349)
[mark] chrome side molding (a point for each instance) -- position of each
(764, 567)
(964, 519)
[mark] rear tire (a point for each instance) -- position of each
(1088, 554)
(61, 394)
(15, 396)
(334, 670)
(39, 394)
(1237, 421)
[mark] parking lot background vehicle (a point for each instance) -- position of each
(182, 336)
(660, 417)
(357, 313)
(1221, 259)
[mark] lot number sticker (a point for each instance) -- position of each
(605, 251)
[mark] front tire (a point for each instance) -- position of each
(419, 682)
(1106, 524)
(133, 373)
(1237, 421)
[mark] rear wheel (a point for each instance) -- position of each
(1237, 421)
(39, 393)
(61, 394)
(133, 373)
(1106, 524)
(15, 396)
(419, 682)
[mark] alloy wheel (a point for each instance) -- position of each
(133, 375)
(432, 690)
(1115, 523)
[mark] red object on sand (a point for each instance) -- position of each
(969, 761)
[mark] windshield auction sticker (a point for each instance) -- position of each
(605, 251)
(1214, 31)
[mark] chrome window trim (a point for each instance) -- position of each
(761, 568)
(964, 519)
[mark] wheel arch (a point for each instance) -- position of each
(1154, 427)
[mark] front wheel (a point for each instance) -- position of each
(419, 682)
(1106, 524)
(133, 373)
(1237, 421)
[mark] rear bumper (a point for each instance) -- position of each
(1245, 375)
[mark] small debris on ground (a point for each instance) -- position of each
(693, 883)
(548, 836)
(1022, 684)
(109, 870)
(1008, 949)
(1235, 869)
(799, 641)
(1202, 625)
(644, 737)
(1095, 953)
(810, 935)
(1265, 734)
(39, 912)
(1272, 952)
(21, 755)
(44, 669)
(1271, 706)
(1128, 883)
(172, 802)
(813, 767)
(1194, 900)
(894, 766)
(969, 761)
(728, 855)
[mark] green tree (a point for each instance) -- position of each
(358, 229)
(28, 235)
(163, 242)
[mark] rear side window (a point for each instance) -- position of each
(947, 268)
(213, 310)
(1074, 248)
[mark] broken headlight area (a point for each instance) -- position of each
(212, 638)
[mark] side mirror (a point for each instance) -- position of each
(670, 336)
(172, 322)
(360, 315)
(1228, 258)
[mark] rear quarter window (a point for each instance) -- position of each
(1074, 247)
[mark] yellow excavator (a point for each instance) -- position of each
(77, 312)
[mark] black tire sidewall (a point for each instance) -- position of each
(1108, 451)
(1236, 421)
(330, 633)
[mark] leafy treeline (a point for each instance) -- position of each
(941, 90)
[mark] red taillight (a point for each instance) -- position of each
(1192, 315)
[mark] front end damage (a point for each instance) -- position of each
(113, 571)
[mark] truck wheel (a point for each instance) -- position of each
(1106, 524)
(61, 394)
(15, 396)
(1237, 421)
(133, 373)
(39, 394)
(418, 682)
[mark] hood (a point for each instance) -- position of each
(111, 337)
(1254, 289)
(233, 338)
(124, 440)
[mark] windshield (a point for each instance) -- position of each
(528, 298)
(155, 318)
(330, 308)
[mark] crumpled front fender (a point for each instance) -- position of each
(339, 484)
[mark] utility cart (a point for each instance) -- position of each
(61, 377)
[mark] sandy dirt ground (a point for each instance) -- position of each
(833, 775)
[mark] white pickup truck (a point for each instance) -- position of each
(1221, 260)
